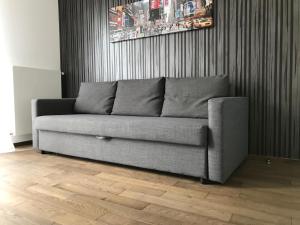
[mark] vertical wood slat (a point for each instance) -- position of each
(255, 42)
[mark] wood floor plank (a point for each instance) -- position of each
(69, 205)
(128, 212)
(13, 215)
(8, 197)
(245, 208)
(186, 218)
(230, 189)
(89, 211)
(88, 181)
(76, 169)
(295, 221)
(283, 210)
(71, 219)
(158, 186)
(272, 184)
(185, 197)
(10, 217)
(187, 207)
(139, 188)
(114, 219)
(136, 204)
(271, 198)
(244, 220)
(42, 209)
(132, 172)
(50, 189)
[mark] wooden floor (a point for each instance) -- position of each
(40, 189)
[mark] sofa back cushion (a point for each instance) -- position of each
(96, 98)
(139, 97)
(189, 97)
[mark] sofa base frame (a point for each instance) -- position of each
(203, 181)
(158, 156)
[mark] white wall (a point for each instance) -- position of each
(29, 37)
(31, 83)
(32, 32)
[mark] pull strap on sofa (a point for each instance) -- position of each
(184, 126)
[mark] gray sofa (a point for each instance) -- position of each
(183, 126)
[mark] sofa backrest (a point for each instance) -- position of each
(189, 97)
(139, 97)
(96, 98)
(169, 97)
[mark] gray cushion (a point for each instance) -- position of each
(171, 130)
(96, 98)
(139, 97)
(189, 97)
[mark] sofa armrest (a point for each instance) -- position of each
(42, 107)
(228, 136)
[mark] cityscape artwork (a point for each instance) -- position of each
(154, 17)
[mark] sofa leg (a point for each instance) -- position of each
(42, 152)
(204, 181)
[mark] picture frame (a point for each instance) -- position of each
(147, 18)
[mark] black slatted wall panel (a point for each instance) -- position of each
(255, 42)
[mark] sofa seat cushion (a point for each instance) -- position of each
(187, 131)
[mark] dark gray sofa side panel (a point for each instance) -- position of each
(42, 107)
(228, 136)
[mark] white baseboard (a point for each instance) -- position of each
(21, 138)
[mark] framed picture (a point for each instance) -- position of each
(155, 17)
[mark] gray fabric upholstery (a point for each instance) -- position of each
(169, 144)
(173, 130)
(139, 97)
(228, 136)
(181, 159)
(189, 97)
(96, 98)
(40, 107)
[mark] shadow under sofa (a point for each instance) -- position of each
(210, 147)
